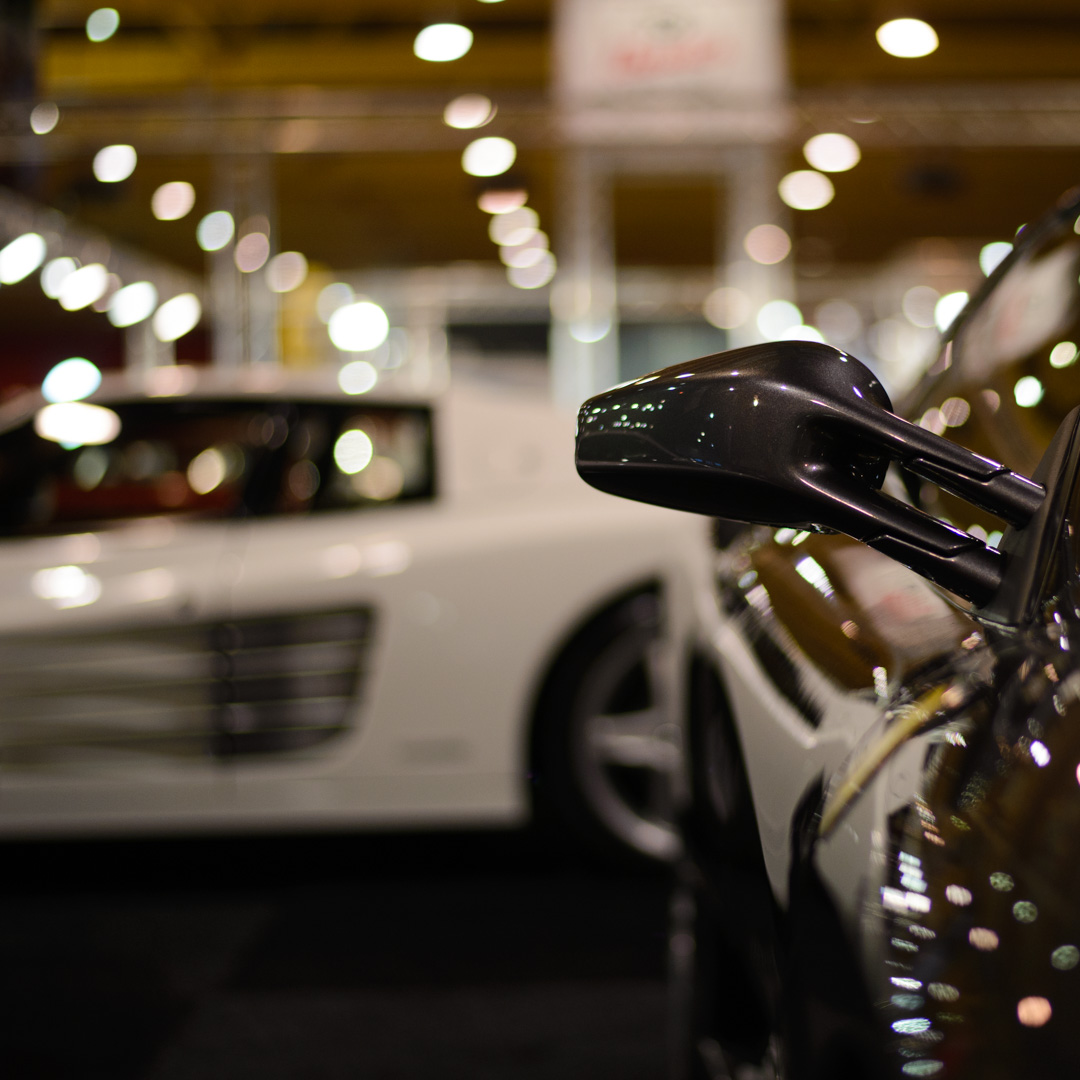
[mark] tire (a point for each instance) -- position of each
(607, 757)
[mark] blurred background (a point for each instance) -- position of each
(558, 193)
(585, 188)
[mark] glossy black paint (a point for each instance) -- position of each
(796, 434)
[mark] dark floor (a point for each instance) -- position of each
(416, 956)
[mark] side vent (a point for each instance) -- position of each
(265, 686)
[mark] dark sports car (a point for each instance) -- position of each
(883, 826)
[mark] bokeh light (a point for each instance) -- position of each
(358, 327)
(919, 304)
(441, 42)
(502, 200)
(177, 316)
(215, 230)
(353, 451)
(115, 163)
(332, 297)
(44, 117)
(173, 200)
(469, 111)
(251, 252)
(1062, 355)
(806, 189)
(948, 308)
(77, 423)
(357, 377)
(515, 227)
(71, 380)
(286, 271)
(727, 308)
(907, 38)
(993, 255)
(1033, 1011)
(535, 276)
(489, 156)
(832, 152)
(767, 244)
(777, 316)
(21, 257)
(82, 287)
(839, 320)
(54, 273)
(132, 303)
(102, 24)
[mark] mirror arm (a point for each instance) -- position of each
(975, 479)
(946, 555)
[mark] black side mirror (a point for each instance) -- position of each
(797, 434)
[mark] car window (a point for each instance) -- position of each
(210, 459)
(1010, 373)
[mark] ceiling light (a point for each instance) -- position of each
(806, 189)
(767, 244)
(469, 111)
(502, 200)
(177, 316)
(359, 327)
(215, 230)
(83, 286)
(907, 38)
(115, 163)
(44, 117)
(173, 200)
(102, 24)
(490, 156)
(832, 152)
(286, 271)
(443, 41)
(132, 304)
(21, 257)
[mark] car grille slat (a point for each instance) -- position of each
(255, 686)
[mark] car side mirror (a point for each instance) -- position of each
(799, 434)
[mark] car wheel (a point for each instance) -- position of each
(608, 758)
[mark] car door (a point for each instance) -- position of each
(827, 631)
(117, 562)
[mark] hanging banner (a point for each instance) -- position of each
(640, 57)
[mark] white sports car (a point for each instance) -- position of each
(254, 601)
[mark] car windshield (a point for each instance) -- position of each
(76, 465)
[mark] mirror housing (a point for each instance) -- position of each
(798, 434)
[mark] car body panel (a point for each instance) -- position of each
(463, 602)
